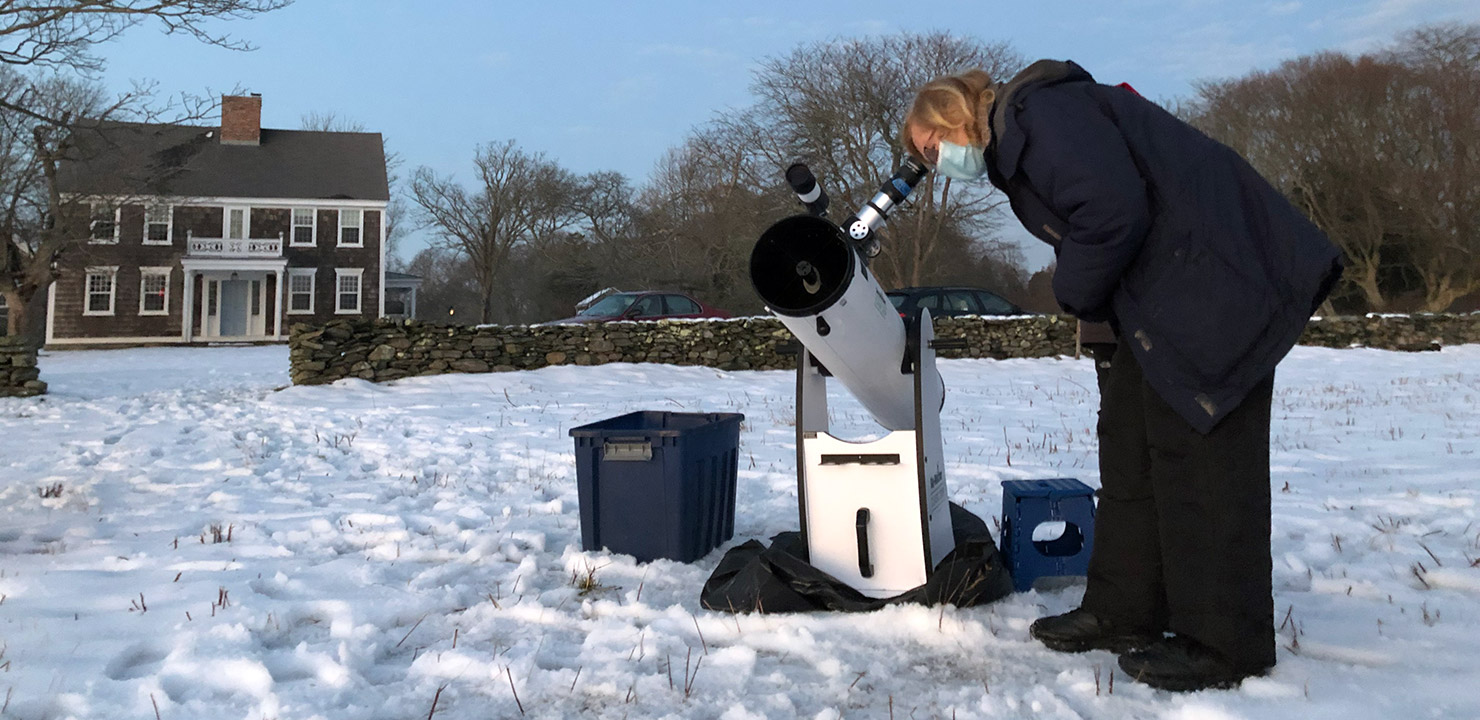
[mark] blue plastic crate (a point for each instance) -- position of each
(1026, 504)
(658, 484)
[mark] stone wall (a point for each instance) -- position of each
(386, 350)
(18, 374)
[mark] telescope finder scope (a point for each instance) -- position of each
(808, 190)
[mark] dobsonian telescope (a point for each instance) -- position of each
(874, 514)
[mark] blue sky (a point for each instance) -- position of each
(612, 85)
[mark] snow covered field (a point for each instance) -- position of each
(184, 537)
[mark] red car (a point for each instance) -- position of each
(644, 305)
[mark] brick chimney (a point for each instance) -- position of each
(241, 119)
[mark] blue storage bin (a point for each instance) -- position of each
(658, 484)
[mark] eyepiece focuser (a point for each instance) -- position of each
(871, 217)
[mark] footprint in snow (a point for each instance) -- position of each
(136, 661)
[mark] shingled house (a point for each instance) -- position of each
(202, 234)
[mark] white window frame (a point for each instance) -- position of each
(169, 224)
(111, 272)
(359, 275)
(313, 227)
(144, 274)
(246, 222)
(313, 280)
(92, 214)
(359, 227)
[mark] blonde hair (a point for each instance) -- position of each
(951, 102)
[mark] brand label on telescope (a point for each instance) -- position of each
(935, 490)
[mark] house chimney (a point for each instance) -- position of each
(241, 119)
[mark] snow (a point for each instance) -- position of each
(184, 535)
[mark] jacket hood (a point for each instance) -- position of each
(1006, 143)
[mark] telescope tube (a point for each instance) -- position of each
(812, 278)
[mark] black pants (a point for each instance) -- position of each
(1182, 527)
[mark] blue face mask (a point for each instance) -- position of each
(961, 162)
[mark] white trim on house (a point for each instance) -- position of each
(313, 227)
(109, 271)
(359, 226)
(313, 280)
(258, 202)
(51, 310)
(111, 340)
(380, 289)
(153, 272)
(195, 267)
(169, 224)
(92, 221)
(339, 292)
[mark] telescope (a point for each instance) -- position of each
(874, 514)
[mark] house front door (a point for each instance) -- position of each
(234, 308)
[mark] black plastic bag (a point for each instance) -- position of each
(754, 578)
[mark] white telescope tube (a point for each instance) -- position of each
(809, 274)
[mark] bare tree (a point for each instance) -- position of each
(34, 229)
(840, 105)
(46, 119)
(519, 198)
(63, 34)
(1380, 151)
(1442, 155)
(449, 291)
(699, 215)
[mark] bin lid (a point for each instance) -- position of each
(657, 423)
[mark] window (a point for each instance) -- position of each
(303, 226)
(157, 224)
(154, 291)
(103, 227)
(648, 306)
(995, 305)
(960, 302)
(237, 223)
(347, 290)
(680, 305)
(100, 286)
(349, 227)
(300, 292)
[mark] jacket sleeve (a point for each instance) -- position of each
(1078, 162)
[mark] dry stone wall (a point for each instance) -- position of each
(19, 376)
(388, 350)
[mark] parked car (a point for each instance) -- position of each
(950, 301)
(643, 305)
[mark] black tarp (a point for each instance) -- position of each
(754, 578)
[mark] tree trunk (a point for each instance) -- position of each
(486, 316)
(20, 316)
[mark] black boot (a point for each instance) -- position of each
(1080, 630)
(1182, 664)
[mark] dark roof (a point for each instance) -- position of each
(393, 275)
(188, 161)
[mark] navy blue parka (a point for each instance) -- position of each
(1207, 272)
